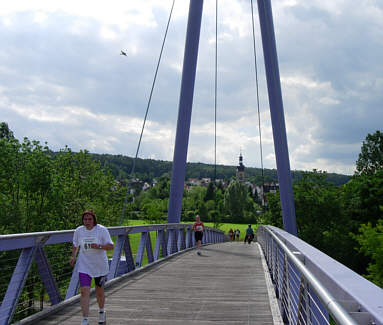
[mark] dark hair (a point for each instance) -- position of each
(92, 214)
(249, 226)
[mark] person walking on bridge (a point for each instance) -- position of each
(198, 228)
(92, 240)
(249, 235)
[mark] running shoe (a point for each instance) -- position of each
(101, 317)
(199, 253)
(85, 322)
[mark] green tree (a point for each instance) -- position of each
(235, 201)
(361, 200)
(371, 244)
(25, 179)
(79, 183)
(155, 210)
(210, 192)
(273, 214)
(371, 155)
(5, 132)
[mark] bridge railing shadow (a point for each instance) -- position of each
(313, 288)
(35, 270)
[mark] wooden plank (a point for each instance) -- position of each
(225, 285)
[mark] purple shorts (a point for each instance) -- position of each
(86, 279)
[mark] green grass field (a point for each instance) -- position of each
(224, 226)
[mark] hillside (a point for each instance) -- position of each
(147, 169)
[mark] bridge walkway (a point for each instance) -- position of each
(225, 285)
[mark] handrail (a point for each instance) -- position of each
(23, 240)
(284, 253)
(35, 247)
(336, 310)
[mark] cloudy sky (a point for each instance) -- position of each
(63, 81)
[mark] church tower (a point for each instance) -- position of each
(241, 169)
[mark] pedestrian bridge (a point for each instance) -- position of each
(157, 278)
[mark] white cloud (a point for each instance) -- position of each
(62, 79)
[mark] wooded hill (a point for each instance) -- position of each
(147, 169)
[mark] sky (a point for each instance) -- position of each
(64, 82)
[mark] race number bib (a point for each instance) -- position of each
(199, 228)
(87, 242)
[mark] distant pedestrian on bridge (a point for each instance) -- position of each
(198, 228)
(231, 234)
(237, 233)
(93, 240)
(249, 235)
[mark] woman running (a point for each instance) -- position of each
(93, 240)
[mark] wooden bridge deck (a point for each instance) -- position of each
(225, 285)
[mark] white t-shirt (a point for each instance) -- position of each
(93, 262)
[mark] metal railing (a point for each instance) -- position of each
(313, 288)
(35, 271)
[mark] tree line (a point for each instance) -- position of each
(234, 204)
(44, 190)
(345, 222)
(148, 169)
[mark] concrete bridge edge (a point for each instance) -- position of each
(274, 304)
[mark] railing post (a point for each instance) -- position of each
(276, 270)
(164, 249)
(145, 243)
(171, 241)
(46, 276)
(16, 284)
(287, 291)
(149, 248)
(303, 303)
(160, 243)
(114, 265)
(128, 254)
(181, 239)
(188, 237)
(74, 283)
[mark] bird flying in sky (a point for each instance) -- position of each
(123, 53)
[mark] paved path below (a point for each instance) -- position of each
(225, 285)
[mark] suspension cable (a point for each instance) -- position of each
(259, 114)
(215, 110)
(215, 90)
(146, 113)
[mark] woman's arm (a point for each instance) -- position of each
(74, 254)
(106, 247)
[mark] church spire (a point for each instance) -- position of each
(241, 168)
